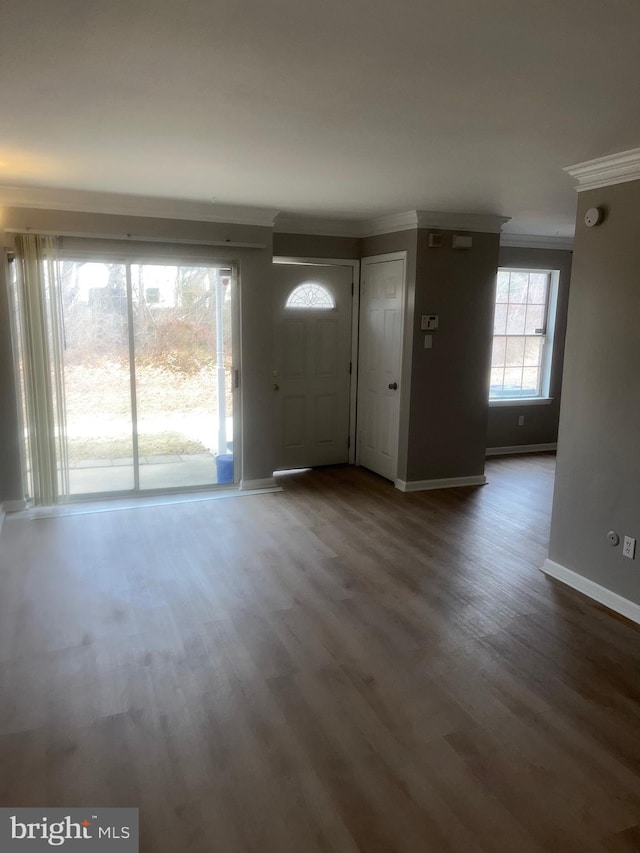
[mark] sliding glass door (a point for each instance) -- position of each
(96, 367)
(183, 393)
(146, 378)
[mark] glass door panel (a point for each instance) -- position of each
(136, 383)
(97, 379)
(181, 315)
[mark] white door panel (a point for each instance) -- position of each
(380, 362)
(312, 368)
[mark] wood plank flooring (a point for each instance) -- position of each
(338, 667)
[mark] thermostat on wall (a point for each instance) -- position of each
(592, 217)
(429, 322)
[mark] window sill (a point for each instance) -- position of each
(520, 401)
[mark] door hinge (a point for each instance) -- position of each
(353, 284)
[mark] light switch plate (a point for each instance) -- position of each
(429, 322)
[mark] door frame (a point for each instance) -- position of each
(404, 370)
(355, 325)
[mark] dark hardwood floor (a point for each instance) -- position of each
(337, 667)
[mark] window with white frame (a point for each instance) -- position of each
(522, 334)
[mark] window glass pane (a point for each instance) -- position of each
(533, 351)
(530, 380)
(497, 375)
(97, 377)
(310, 295)
(498, 354)
(519, 332)
(535, 320)
(512, 378)
(519, 286)
(515, 352)
(500, 320)
(515, 319)
(183, 375)
(538, 288)
(502, 290)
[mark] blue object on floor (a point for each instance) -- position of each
(224, 467)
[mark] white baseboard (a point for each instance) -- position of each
(266, 483)
(593, 590)
(521, 448)
(444, 483)
(14, 506)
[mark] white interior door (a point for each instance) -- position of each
(312, 378)
(379, 364)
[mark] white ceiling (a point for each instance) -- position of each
(331, 108)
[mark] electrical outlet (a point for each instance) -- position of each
(629, 548)
(520, 420)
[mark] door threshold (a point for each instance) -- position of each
(134, 502)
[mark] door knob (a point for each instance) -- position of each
(276, 387)
(393, 386)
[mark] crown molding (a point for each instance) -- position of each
(390, 223)
(290, 223)
(534, 241)
(605, 171)
(81, 201)
(485, 222)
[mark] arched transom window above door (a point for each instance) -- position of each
(311, 295)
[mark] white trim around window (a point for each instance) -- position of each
(521, 401)
(543, 398)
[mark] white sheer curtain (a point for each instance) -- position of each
(42, 336)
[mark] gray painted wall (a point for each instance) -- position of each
(315, 246)
(540, 422)
(598, 466)
(448, 410)
(255, 266)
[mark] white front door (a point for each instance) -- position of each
(312, 380)
(379, 364)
